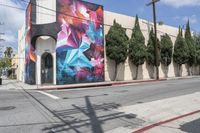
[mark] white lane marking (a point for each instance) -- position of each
(49, 95)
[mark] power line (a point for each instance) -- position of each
(12, 6)
(70, 15)
(60, 13)
(24, 9)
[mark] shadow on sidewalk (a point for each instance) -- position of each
(191, 127)
(92, 118)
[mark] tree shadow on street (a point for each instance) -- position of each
(91, 118)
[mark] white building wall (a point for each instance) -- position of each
(127, 71)
(21, 53)
(45, 44)
(46, 11)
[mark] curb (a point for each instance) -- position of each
(103, 84)
(73, 86)
(185, 77)
(147, 128)
(136, 81)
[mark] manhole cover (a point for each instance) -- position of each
(7, 108)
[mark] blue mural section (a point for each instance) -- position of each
(30, 56)
(80, 42)
(78, 31)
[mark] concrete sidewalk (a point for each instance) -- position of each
(14, 84)
(108, 83)
(97, 84)
(170, 115)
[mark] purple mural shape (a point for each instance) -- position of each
(80, 42)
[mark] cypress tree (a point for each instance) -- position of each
(151, 57)
(181, 52)
(197, 45)
(117, 45)
(192, 51)
(166, 50)
(137, 48)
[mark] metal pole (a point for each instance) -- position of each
(156, 44)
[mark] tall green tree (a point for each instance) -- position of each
(137, 48)
(191, 46)
(151, 57)
(181, 51)
(117, 45)
(197, 45)
(166, 49)
(6, 61)
(8, 52)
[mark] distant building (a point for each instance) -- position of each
(65, 44)
(14, 67)
(21, 54)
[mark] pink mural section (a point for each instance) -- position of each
(30, 57)
(80, 42)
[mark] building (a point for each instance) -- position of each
(14, 67)
(62, 42)
(63, 48)
(21, 53)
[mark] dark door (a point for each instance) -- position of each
(47, 68)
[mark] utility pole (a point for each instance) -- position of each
(1, 40)
(153, 3)
(1, 52)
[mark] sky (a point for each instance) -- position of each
(171, 12)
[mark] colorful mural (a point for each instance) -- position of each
(30, 57)
(80, 42)
(78, 31)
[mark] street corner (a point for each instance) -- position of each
(9, 85)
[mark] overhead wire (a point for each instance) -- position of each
(59, 13)
(29, 2)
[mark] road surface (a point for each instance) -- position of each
(100, 110)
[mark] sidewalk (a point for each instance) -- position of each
(108, 83)
(171, 115)
(8, 84)
(13, 84)
(97, 84)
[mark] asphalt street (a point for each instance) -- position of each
(88, 110)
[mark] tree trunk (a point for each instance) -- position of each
(189, 70)
(154, 72)
(178, 70)
(136, 75)
(199, 69)
(166, 74)
(115, 71)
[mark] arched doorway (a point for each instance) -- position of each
(47, 68)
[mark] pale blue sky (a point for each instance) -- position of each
(171, 12)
